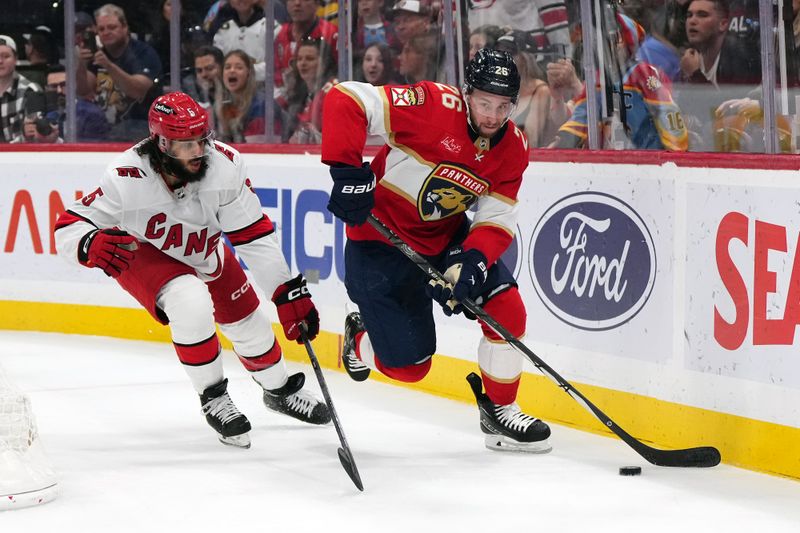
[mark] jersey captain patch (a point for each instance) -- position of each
(407, 96)
(447, 191)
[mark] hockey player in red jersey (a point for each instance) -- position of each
(155, 224)
(447, 150)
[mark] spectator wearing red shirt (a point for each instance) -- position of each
(312, 75)
(304, 24)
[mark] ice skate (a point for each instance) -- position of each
(222, 415)
(355, 367)
(506, 427)
(292, 400)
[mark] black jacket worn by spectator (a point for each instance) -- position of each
(737, 65)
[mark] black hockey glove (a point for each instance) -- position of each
(466, 273)
(353, 193)
(295, 306)
(108, 249)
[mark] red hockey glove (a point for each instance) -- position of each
(108, 249)
(295, 306)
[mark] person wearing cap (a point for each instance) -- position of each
(122, 73)
(650, 118)
(14, 92)
(85, 31)
(448, 152)
(41, 48)
(411, 18)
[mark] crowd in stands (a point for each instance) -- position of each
(679, 74)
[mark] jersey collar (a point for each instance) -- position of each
(482, 143)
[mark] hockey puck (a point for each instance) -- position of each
(630, 470)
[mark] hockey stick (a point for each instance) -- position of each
(613, 57)
(345, 454)
(704, 456)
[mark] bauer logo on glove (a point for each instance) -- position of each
(353, 193)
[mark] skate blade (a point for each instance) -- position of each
(505, 444)
(237, 441)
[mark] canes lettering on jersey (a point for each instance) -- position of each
(158, 236)
(186, 226)
(195, 242)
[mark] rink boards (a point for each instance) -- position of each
(667, 291)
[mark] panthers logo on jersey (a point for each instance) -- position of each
(448, 190)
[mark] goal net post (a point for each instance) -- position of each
(26, 477)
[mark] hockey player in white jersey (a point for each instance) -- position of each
(155, 224)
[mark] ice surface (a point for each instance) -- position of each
(123, 428)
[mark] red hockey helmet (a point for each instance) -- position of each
(177, 117)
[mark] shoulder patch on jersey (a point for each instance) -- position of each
(224, 151)
(448, 190)
(131, 172)
(407, 96)
(653, 83)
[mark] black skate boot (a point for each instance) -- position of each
(355, 367)
(292, 400)
(506, 427)
(222, 415)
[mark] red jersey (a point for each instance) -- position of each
(433, 167)
(309, 119)
(285, 46)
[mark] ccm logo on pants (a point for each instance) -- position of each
(240, 291)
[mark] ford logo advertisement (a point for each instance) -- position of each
(593, 261)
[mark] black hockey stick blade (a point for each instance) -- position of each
(349, 465)
(701, 457)
(345, 454)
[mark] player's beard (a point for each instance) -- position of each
(176, 168)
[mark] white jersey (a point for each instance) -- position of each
(252, 39)
(186, 223)
(545, 20)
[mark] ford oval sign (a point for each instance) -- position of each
(593, 261)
